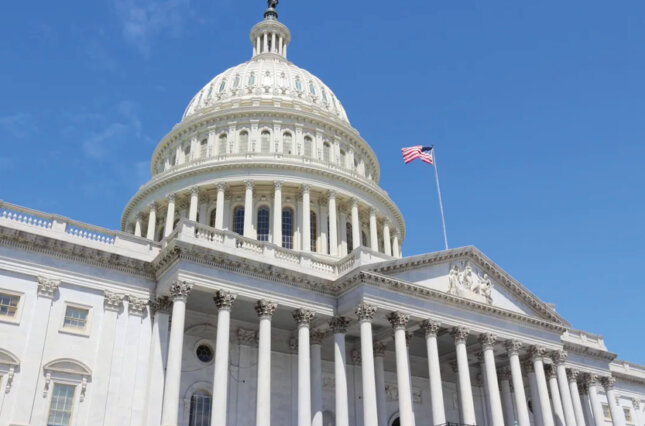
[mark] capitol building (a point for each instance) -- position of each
(258, 279)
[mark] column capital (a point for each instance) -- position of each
(180, 290)
(303, 317)
(354, 202)
(221, 186)
(379, 349)
(316, 337)
(112, 301)
(339, 325)
(194, 190)
(331, 195)
(590, 379)
(161, 304)
(398, 320)
(504, 373)
(47, 286)
(636, 404)
(559, 357)
(137, 305)
(265, 308)
(152, 206)
(224, 300)
(549, 370)
(365, 312)
(372, 211)
(171, 198)
(513, 347)
(431, 327)
(537, 352)
(248, 184)
(306, 189)
(487, 340)
(572, 375)
(460, 334)
(528, 366)
(608, 382)
(277, 185)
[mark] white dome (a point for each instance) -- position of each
(267, 77)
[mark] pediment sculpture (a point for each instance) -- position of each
(465, 282)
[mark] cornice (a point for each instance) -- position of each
(589, 352)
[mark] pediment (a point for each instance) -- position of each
(68, 366)
(7, 358)
(467, 273)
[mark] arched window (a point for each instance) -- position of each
(263, 223)
(309, 146)
(312, 89)
(244, 142)
(349, 237)
(203, 148)
(298, 85)
(287, 141)
(222, 86)
(236, 82)
(326, 152)
(251, 79)
(265, 141)
(343, 159)
(173, 160)
(211, 221)
(313, 230)
(287, 228)
(223, 140)
(364, 239)
(187, 152)
(200, 409)
(238, 220)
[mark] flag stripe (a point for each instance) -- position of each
(418, 151)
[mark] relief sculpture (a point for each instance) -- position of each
(466, 283)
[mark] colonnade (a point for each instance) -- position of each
(554, 389)
(333, 218)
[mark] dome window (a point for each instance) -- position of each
(244, 142)
(252, 79)
(349, 236)
(263, 223)
(313, 229)
(223, 139)
(203, 148)
(210, 91)
(343, 158)
(236, 82)
(287, 228)
(312, 89)
(287, 140)
(324, 95)
(298, 85)
(327, 152)
(222, 86)
(309, 149)
(265, 141)
(238, 220)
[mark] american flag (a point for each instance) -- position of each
(419, 151)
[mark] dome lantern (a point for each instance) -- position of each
(270, 36)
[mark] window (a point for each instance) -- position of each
(606, 412)
(200, 409)
(75, 318)
(210, 91)
(8, 305)
(265, 141)
(238, 220)
(204, 353)
(328, 246)
(343, 159)
(312, 89)
(222, 86)
(287, 141)
(628, 416)
(60, 408)
(298, 85)
(223, 138)
(287, 228)
(203, 148)
(327, 152)
(252, 80)
(309, 149)
(236, 82)
(313, 230)
(187, 152)
(349, 236)
(211, 222)
(263, 224)
(173, 160)
(244, 142)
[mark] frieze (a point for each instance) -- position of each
(464, 282)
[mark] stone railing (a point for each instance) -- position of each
(72, 231)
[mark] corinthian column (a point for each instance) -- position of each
(487, 341)
(513, 350)
(591, 380)
(398, 321)
(535, 394)
(339, 326)
(170, 216)
(306, 218)
(356, 226)
(277, 213)
(152, 222)
(572, 377)
(365, 315)
(465, 390)
(504, 377)
(138, 224)
(194, 201)
(179, 292)
(316, 378)
(436, 391)
(373, 230)
(333, 225)
(387, 242)
(248, 209)
(379, 373)
(586, 402)
(617, 415)
(160, 309)
(556, 398)
(559, 358)
(265, 310)
(537, 354)
(224, 301)
(219, 207)
(303, 318)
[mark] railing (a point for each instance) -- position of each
(91, 233)
(25, 216)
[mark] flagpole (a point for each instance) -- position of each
(436, 176)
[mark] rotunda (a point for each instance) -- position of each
(265, 150)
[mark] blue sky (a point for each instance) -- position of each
(536, 110)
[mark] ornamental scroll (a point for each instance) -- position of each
(465, 283)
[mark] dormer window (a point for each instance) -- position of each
(210, 91)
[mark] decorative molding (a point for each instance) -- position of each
(224, 300)
(365, 312)
(608, 383)
(137, 306)
(339, 325)
(47, 286)
(265, 308)
(9, 379)
(180, 290)
(550, 371)
(303, 317)
(559, 357)
(398, 320)
(431, 327)
(537, 352)
(112, 301)
(572, 375)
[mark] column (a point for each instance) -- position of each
(487, 341)
(572, 378)
(194, 201)
(586, 403)
(504, 378)
(306, 218)
(513, 351)
(637, 411)
(333, 225)
(323, 231)
(465, 390)
(365, 313)
(224, 302)
(537, 353)
(373, 231)
(248, 209)
(138, 224)
(591, 381)
(617, 415)
(387, 241)
(379, 374)
(436, 391)
(160, 309)
(303, 318)
(535, 394)
(396, 252)
(170, 216)
(152, 222)
(219, 207)
(277, 213)
(559, 358)
(316, 338)
(179, 292)
(265, 310)
(356, 226)
(483, 384)
(338, 326)
(273, 44)
(556, 399)
(398, 321)
(266, 42)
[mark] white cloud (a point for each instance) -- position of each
(102, 143)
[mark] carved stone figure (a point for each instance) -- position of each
(466, 277)
(273, 3)
(463, 283)
(453, 279)
(484, 287)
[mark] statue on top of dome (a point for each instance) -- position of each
(273, 3)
